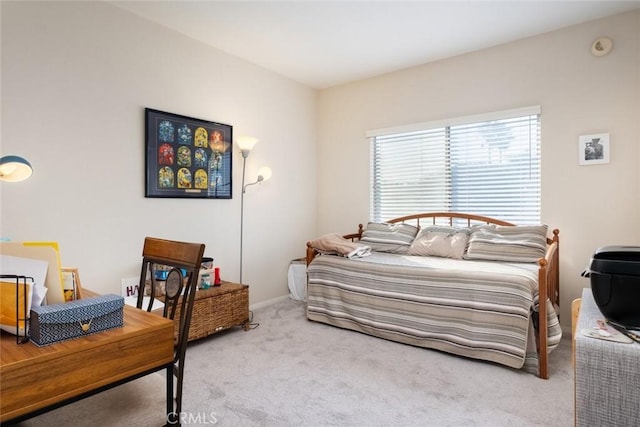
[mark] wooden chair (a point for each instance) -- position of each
(173, 266)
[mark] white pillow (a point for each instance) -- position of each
(446, 242)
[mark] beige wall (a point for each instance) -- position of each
(76, 77)
(579, 94)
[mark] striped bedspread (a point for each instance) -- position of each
(477, 309)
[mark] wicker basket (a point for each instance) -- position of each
(218, 308)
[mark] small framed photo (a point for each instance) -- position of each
(71, 284)
(593, 149)
(187, 157)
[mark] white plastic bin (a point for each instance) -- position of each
(298, 279)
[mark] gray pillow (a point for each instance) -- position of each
(518, 243)
(392, 238)
(446, 242)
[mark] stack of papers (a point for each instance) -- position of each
(605, 332)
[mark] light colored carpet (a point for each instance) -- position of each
(291, 372)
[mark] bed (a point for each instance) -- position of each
(479, 306)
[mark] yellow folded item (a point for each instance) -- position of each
(9, 314)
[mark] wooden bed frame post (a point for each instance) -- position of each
(548, 287)
(542, 320)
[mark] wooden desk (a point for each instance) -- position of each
(36, 379)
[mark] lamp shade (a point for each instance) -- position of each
(14, 169)
(265, 173)
(246, 143)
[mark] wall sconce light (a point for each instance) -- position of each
(246, 144)
(14, 169)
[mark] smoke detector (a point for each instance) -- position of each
(601, 46)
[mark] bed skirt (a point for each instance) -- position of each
(477, 309)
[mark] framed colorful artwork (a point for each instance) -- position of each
(187, 157)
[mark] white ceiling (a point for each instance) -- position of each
(326, 43)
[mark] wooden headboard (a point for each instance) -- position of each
(447, 218)
(426, 219)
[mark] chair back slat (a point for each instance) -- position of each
(172, 252)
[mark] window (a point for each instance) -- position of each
(485, 165)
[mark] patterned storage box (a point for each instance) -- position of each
(59, 322)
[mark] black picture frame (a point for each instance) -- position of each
(187, 157)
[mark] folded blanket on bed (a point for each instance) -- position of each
(336, 244)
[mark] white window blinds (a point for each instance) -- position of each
(485, 165)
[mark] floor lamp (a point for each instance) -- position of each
(246, 144)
